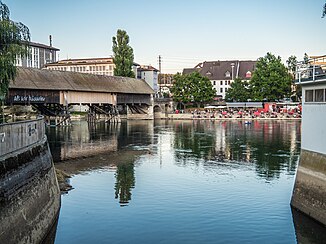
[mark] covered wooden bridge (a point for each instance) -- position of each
(52, 92)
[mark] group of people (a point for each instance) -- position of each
(245, 113)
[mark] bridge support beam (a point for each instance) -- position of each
(108, 111)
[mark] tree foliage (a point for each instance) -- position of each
(292, 63)
(324, 11)
(123, 57)
(13, 39)
(271, 79)
(239, 91)
(193, 88)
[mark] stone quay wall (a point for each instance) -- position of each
(29, 192)
(309, 194)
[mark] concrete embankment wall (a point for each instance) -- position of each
(309, 194)
(29, 192)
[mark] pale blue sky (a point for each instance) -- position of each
(183, 32)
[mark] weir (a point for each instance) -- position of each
(29, 192)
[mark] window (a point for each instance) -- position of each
(221, 83)
(229, 82)
(221, 90)
(248, 74)
(226, 89)
(309, 96)
(227, 74)
(319, 95)
(214, 82)
(35, 57)
(226, 82)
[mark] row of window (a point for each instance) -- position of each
(225, 89)
(317, 95)
(227, 82)
(83, 70)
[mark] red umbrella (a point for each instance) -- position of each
(224, 112)
(256, 113)
(239, 112)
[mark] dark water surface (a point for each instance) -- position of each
(180, 182)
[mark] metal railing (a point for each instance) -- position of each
(313, 69)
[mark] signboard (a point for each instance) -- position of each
(17, 96)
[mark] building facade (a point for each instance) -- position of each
(150, 75)
(165, 83)
(223, 73)
(97, 66)
(38, 55)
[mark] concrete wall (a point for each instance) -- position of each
(29, 192)
(310, 185)
(18, 135)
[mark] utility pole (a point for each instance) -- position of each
(160, 63)
(160, 74)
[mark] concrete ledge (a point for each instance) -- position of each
(309, 194)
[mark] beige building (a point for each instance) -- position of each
(97, 66)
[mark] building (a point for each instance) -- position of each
(150, 75)
(38, 55)
(165, 82)
(223, 73)
(310, 185)
(97, 66)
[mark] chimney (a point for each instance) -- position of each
(50, 37)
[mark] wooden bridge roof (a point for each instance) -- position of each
(36, 79)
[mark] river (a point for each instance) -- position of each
(180, 182)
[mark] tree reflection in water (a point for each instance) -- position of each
(271, 146)
(125, 181)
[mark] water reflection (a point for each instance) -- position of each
(272, 146)
(84, 140)
(307, 230)
(151, 167)
(125, 181)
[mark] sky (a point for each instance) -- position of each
(183, 32)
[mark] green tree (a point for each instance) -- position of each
(13, 39)
(324, 11)
(193, 88)
(292, 63)
(239, 91)
(271, 79)
(123, 57)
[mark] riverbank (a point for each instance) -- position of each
(187, 116)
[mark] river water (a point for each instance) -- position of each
(180, 182)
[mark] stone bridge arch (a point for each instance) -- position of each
(162, 107)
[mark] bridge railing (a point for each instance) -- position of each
(18, 135)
